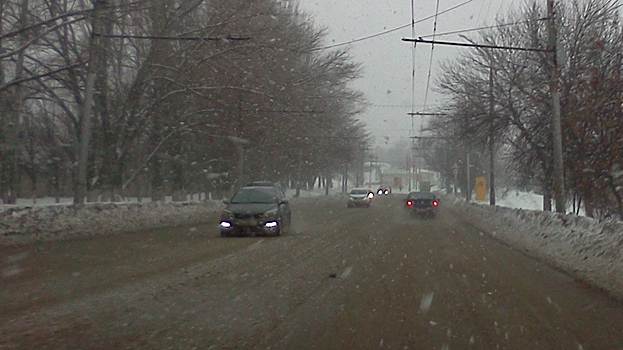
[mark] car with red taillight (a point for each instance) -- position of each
(423, 204)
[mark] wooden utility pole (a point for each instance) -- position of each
(555, 122)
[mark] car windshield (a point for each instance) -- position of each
(421, 195)
(359, 192)
(253, 196)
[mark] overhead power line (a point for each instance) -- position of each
(394, 106)
(427, 114)
(182, 38)
(482, 46)
(393, 29)
(502, 25)
(430, 62)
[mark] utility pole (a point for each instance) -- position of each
(87, 107)
(555, 122)
(468, 188)
(300, 174)
(370, 177)
(491, 138)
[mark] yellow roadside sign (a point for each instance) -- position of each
(481, 189)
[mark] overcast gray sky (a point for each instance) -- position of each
(387, 60)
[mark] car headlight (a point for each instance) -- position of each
(271, 224)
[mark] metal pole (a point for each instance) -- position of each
(491, 138)
(370, 164)
(240, 164)
(468, 196)
(300, 175)
(556, 127)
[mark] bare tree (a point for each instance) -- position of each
(590, 35)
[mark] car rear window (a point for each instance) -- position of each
(421, 195)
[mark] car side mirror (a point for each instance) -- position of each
(284, 201)
(225, 201)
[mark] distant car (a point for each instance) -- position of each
(359, 197)
(256, 210)
(423, 204)
(383, 191)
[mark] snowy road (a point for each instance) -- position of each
(342, 279)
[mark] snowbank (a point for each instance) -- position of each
(520, 200)
(21, 225)
(585, 248)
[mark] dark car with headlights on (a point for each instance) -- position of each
(255, 210)
(423, 204)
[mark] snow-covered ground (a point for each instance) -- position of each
(586, 248)
(520, 200)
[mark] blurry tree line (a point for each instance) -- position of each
(180, 89)
(590, 58)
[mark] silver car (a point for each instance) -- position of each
(359, 197)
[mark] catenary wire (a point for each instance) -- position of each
(411, 133)
(461, 31)
(393, 29)
(430, 63)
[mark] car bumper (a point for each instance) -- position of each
(421, 211)
(359, 202)
(249, 228)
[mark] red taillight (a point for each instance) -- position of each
(409, 203)
(435, 203)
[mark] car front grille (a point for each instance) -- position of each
(248, 216)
